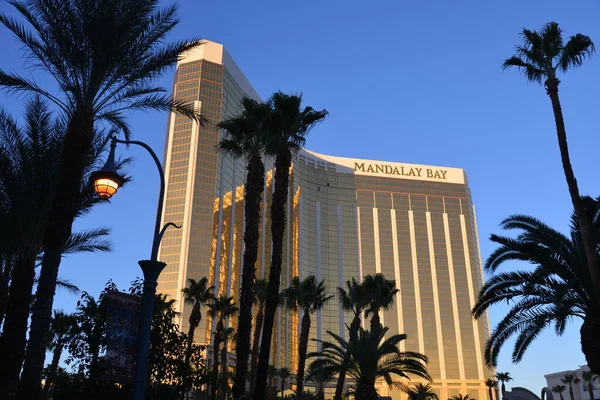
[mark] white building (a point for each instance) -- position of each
(580, 390)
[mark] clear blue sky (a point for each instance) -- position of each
(410, 81)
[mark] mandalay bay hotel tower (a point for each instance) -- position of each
(347, 218)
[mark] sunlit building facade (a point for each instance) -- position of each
(347, 218)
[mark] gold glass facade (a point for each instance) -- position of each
(346, 218)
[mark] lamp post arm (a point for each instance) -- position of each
(164, 229)
(157, 230)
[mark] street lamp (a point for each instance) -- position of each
(106, 183)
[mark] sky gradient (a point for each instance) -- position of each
(410, 81)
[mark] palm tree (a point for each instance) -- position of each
(503, 377)
(355, 299)
(491, 385)
(559, 389)
(62, 327)
(220, 308)
(570, 379)
(260, 297)
(381, 294)
(310, 297)
(461, 397)
(245, 136)
(284, 374)
(196, 294)
(422, 391)
(28, 161)
(104, 56)
(540, 56)
(588, 378)
(558, 289)
(372, 356)
(272, 374)
(320, 377)
(288, 126)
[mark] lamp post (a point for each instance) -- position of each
(106, 183)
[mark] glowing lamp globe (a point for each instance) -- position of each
(107, 180)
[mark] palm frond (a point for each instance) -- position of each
(92, 240)
(576, 51)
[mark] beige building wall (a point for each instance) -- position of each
(346, 218)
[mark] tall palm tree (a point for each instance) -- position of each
(503, 377)
(373, 356)
(221, 308)
(491, 385)
(559, 389)
(540, 57)
(245, 137)
(557, 289)
(570, 379)
(588, 378)
(382, 293)
(272, 375)
(197, 293)
(309, 296)
(356, 299)
(260, 297)
(62, 327)
(421, 391)
(28, 161)
(104, 56)
(288, 126)
(284, 374)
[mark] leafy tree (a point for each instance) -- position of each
(288, 126)
(260, 297)
(570, 379)
(557, 289)
(245, 137)
(63, 326)
(588, 378)
(503, 377)
(421, 391)
(104, 56)
(220, 309)
(540, 57)
(491, 385)
(382, 293)
(356, 299)
(372, 356)
(559, 389)
(196, 294)
(310, 297)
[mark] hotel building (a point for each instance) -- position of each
(347, 218)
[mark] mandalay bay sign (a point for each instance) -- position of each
(403, 171)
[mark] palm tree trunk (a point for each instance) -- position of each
(490, 393)
(282, 387)
(254, 360)
(14, 330)
(76, 152)
(302, 348)
(584, 223)
(321, 392)
(366, 392)
(188, 357)
(375, 321)
(561, 396)
(571, 394)
(590, 389)
(217, 344)
(280, 195)
(590, 343)
(252, 199)
(224, 379)
(339, 387)
(53, 368)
